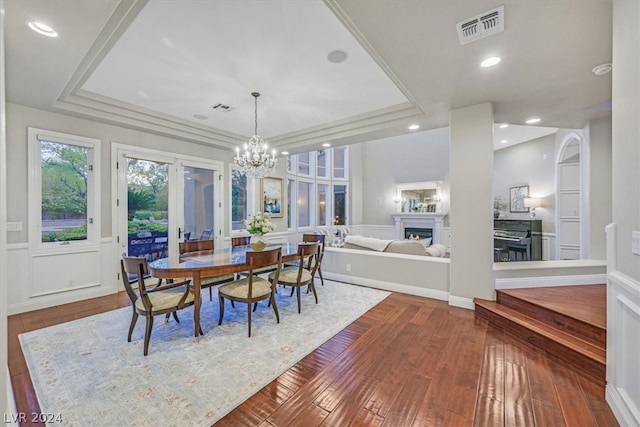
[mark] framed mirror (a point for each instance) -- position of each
(419, 197)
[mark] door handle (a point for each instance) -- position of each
(179, 232)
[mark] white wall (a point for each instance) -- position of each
(599, 186)
(5, 385)
(20, 117)
(623, 266)
(22, 279)
(417, 157)
(531, 163)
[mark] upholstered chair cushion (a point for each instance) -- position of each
(165, 299)
(240, 288)
(290, 275)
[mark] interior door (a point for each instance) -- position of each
(569, 202)
(200, 202)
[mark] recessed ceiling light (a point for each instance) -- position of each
(602, 69)
(490, 62)
(504, 126)
(326, 144)
(200, 117)
(533, 120)
(284, 153)
(504, 141)
(41, 28)
(414, 127)
(337, 56)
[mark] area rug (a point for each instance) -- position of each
(87, 372)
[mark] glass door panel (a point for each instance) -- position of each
(147, 208)
(199, 202)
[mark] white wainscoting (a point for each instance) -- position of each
(623, 348)
(44, 281)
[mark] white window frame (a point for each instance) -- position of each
(346, 164)
(315, 181)
(34, 137)
(328, 166)
(293, 202)
(312, 204)
(328, 202)
(312, 165)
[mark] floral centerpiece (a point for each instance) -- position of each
(258, 225)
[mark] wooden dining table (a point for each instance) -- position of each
(213, 263)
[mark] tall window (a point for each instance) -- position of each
(318, 188)
(63, 188)
(324, 207)
(241, 199)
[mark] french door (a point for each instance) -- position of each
(164, 198)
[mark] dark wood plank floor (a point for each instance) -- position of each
(587, 303)
(409, 361)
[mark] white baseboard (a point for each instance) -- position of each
(549, 281)
(624, 413)
(389, 286)
(51, 300)
(11, 416)
(461, 302)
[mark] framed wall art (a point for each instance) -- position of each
(271, 190)
(516, 198)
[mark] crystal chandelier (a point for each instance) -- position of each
(255, 162)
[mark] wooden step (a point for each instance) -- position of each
(527, 302)
(582, 354)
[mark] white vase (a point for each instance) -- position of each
(258, 242)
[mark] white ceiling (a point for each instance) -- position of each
(153, 65)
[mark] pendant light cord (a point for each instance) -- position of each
(256, 95)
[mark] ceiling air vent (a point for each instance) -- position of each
(480, 26)
(221, 107)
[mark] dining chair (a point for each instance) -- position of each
(203, 247)
(302, 274)
(320, 238)
(206, 234)
(253, 288)
(152, 299)
(240, 241)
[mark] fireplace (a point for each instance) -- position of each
(424, 224)
(416, 232)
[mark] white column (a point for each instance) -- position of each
(471, 209)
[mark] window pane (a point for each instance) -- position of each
(340, 204)
(304, 203)
(339, 162)
(323, 206)
(64, 172)
(239, 199)
(199, 202)
(304, 165)
(290, 205)
(147, 208)
(290, 163)
(322, 163)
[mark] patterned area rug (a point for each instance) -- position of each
(87, 372)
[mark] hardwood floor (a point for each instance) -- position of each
(410, 361)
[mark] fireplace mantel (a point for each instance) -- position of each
(431, 220)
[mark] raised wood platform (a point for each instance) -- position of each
(568, 322)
